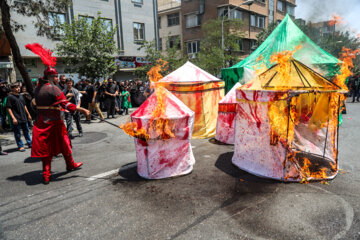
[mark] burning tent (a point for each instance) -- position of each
(225, 128)
(287, 123)
(200, 91)
(286, 36)
(162, 143)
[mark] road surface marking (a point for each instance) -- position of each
(101, 175)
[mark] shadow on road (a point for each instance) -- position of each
(11, 150)
(35, 177)
(224, 164)
(32, 160)
(129, 174)
(214, 141)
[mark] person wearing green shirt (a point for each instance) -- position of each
(125, 100)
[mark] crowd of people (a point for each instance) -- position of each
(17, 112)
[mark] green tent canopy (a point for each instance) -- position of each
(286, 36)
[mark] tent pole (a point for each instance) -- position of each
(327, 129)
(287, 134)
(337, 133)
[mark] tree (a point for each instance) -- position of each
(212, 58)
(172, 55)
(89, 48)
(30, 8)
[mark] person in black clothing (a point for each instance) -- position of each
(355, 88)
(19, 114)
(100, 96)
(27, 97)
(3, 94)
(73, 96)
(111, 91)
(62, 83)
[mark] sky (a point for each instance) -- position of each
(321, 10)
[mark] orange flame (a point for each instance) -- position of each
(336, 19)
(260, 67)
(159, 126)
(283, 59)
(346, 56)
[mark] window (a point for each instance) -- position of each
(55, 20)
(174, 40)
(160, 44)
(222, 12)
(253, 45)
(234, 13)
(261, 22)
(280, 6)
(159, 22)
(253, 20)
(192, 20)
(290, 10)
(88, 19)
(173, 19)
(193, 47)
(137, 1)
(262, 1)
(139, 32)
(108, 24)
(240, 42)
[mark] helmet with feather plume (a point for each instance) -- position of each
(46, 58)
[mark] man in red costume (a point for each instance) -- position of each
(50, 137)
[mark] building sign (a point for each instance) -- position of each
(131, 62)
(4, 46)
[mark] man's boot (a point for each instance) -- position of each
(70, 164)
(46, 161)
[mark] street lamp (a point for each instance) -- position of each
(247, 3)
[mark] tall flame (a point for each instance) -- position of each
(283, 59)
(336, 20)
(159, 126)
(346, 56)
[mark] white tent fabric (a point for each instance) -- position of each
(162, 158)
(189, 73)
(253, 151)
(225, 128)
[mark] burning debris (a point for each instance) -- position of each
(292, 112)
(162, 127)
(336, 20)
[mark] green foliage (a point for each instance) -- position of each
(171, 55)
(89, 48)
(40, 11)
(212, 58)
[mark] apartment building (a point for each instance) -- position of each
(256, 17)
(135, 21)
(169, 23)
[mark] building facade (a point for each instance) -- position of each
(135, 21)
(256, 17)
(169, 22)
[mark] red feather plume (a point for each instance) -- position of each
(43, 53)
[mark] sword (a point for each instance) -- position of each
(113, 124)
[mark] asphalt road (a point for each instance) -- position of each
(106, 199)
